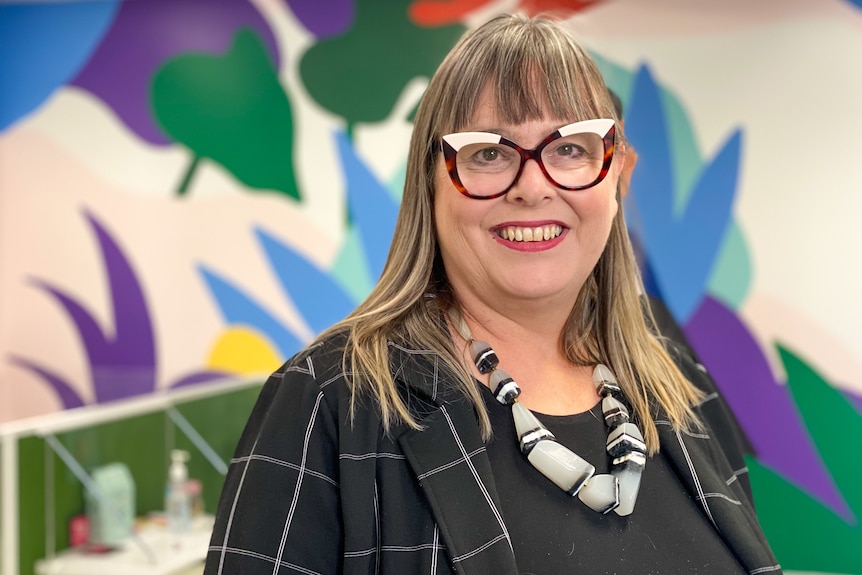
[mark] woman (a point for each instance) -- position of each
(388, 446)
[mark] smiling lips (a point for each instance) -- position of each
(531, 234)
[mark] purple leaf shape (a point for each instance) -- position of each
(68, 396)
(337, 17)
(122, 365)
(763, 406)
(201, 377)
(855, 399)
(145, 34)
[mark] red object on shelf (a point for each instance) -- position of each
(79, 531)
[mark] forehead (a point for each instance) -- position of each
(488, 116)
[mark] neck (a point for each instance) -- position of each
(529, 348)
(523, 324)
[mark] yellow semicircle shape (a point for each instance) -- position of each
(243, 351)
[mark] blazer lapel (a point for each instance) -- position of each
(705, 472)
(451, 465)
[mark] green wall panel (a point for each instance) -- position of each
(143, 443)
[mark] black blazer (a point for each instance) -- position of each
(316, 492)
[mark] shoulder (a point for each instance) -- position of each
(311, 384)
(287, 465)
(318, 360)
(713, 411)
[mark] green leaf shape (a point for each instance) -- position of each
(231, 109)
(804, 534)
(834, 425)
(361, 74)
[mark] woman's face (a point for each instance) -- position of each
(482, 265)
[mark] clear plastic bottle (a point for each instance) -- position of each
(178, 502)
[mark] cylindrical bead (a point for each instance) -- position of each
(483, 356)
(615, 411)
(505, 388)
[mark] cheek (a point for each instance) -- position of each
(609, 195)
(597, 204)
(443, 189)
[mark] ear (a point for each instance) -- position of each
(629, 159)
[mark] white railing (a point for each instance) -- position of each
(47, 426)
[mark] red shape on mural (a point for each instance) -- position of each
(441, 12)
(559, 7)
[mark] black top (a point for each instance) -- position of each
(553, 532)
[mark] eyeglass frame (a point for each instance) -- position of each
(597, 126)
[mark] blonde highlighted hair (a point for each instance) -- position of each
(535, 69)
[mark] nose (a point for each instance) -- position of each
(532, 186)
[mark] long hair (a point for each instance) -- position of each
(535, 69)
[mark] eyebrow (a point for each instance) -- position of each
(506, 133)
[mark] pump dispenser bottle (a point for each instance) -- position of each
(178, 503)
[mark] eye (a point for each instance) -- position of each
(487, 155)
(486, 158)
(570, 150)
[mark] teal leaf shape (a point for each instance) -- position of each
(230, 109)
(731, 276)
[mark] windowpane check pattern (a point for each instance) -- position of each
(311, 491)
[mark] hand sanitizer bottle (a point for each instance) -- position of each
(178, 503)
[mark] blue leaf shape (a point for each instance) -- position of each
(652, 180)
(683, 248)
(647, 275)
(707, 219)
(44, 46)
(239, 309)
(373, 210)
(321, 300)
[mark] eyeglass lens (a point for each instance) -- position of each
(570, 161)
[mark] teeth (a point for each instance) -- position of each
(537, 234)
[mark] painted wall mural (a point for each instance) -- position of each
(191, 189)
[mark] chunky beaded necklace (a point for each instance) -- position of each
(604, 492)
